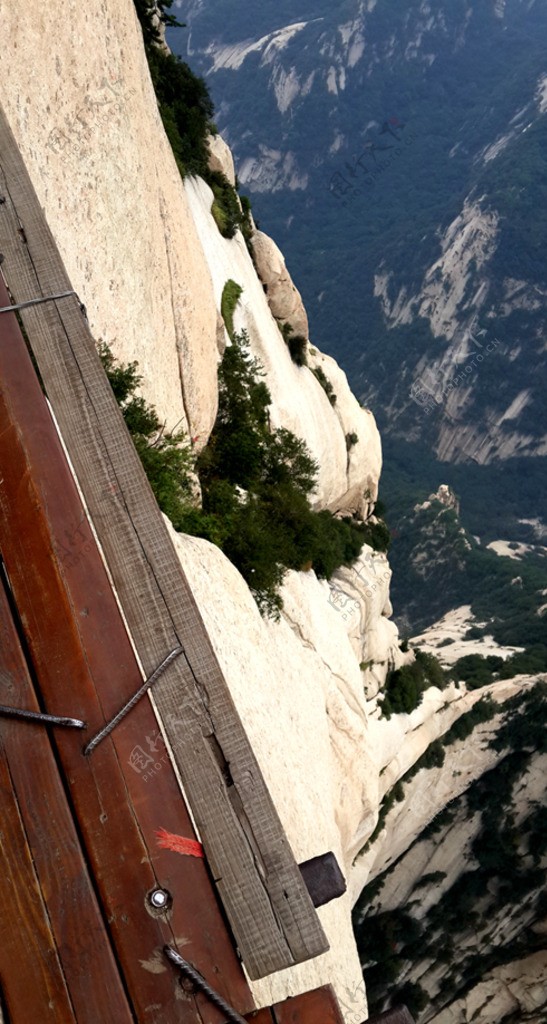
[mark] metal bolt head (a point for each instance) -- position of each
(159, 898)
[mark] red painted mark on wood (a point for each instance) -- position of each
(169, 841)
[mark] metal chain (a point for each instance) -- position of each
(36, 302)
(40, 717)
(199, 981)
(110, 726)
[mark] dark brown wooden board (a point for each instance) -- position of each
(54, 946)
(319, 1006)
(263, 893)
(85, 666)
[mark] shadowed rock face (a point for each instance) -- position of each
(399, 1015)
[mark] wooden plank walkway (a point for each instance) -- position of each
(85, 665)
(61, 958)
(54, 940)
(261, 888)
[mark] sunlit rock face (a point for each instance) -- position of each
(299, 403)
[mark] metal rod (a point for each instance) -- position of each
(110, 726)
(40, 718)
(203, 986)
(36, 302)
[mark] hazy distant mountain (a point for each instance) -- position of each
(398, 153)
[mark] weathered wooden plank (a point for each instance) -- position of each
(264, 896)
(32, 977)
(56, 961)
(319, 1006)
(84, 661)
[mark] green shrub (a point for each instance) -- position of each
(167, 457)
(226, 208)
(475, 670)
(296, 344)
(430, 879)
(413, 996)
(186, 110)
(325, 384)
(474, 633)
(377, 536)
(298, 347)
(432, 757)
(148, 11)
(255, 481)
(483, 711)
(404, 686)
(395, 795)
(528, 662)
(352, 439)
(230, 297)
(246, 222)
(524, 722)
(256, 484)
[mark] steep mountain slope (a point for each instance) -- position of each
(445, 566)
(373, 129)
(456, 917)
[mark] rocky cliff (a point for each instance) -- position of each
(145, 256)
(383, 120)
(380, 129)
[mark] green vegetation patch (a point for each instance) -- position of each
(256, 484)
(230, 297)
(476, 670)
(483, 711)
(255, 481)
(296, 344)
(167, 456)
(187, 110)
(325, 384)
(405, 686)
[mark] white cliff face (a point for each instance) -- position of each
(297, 685)
(453, 295)
(431, 876)
(514, 991)
(397, 744)
(90, 132)
(298, 400)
